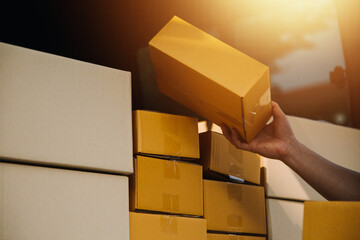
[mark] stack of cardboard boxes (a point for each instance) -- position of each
(232, 209)
(65, 142)
(166, 189)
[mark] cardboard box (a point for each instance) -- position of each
(62, 112)
(285, 219)
(166, 227)
(336, 143)
(219, 155)
(165, 134)
(47, 203)
(331, 220)
(167, 186)
(211, 78)
(213, 236)
(232, 207)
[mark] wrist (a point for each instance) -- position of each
(292, 148)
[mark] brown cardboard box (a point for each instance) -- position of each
(48, 203)
(165, 134)
(232, 207)
(213, 236)
(211, 78)
(219, 155)
(166, 227)
(331, 221)
(58, 111)
(284, 219)
(167, 186)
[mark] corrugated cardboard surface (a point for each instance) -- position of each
(46, 203)
(331, 221)
(213, 236)
(232, 207)
(219, 155)
(167, 186)
(63, 112)
(285, 219)
(211, 78)
(165, 134)
(166, 227)
(336, 143)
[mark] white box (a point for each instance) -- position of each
(336, 143)
(63, 112)
(285, 219)
(47, 203)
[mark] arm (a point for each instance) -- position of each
(277, 141)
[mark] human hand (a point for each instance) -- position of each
(273, 141)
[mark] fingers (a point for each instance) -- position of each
(226, 131)
(277, 112)
(233, 137)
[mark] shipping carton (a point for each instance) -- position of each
(167, 186)
(213, 236)
(331, 221)
(338, 144)
(232, 207)
(48, 203)
(211, 78)
(285, 219)
(217, 154)
(165, 134)
(62, 112)
(166, 227)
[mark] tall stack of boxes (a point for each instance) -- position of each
(65, 142)
(166, 189)
(231, 208)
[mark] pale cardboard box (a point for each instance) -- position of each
(211, 78)
(48, 203)
(63, 112)
(336, 143)
(284, 219)
(144, 226)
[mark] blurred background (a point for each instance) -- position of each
(312, 47)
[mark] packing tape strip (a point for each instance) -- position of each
(235, 170)
(234, 221)
(171, 169)
(171, 202)
(264, 100)
(235, 237)
(234, 191)
(171, 133)
(168, 224)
